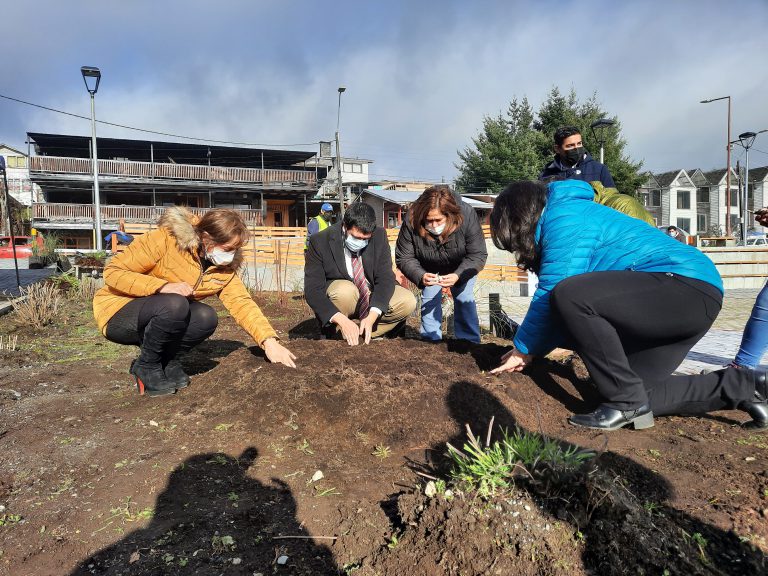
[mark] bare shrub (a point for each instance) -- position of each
(87, 288)
(40, 305)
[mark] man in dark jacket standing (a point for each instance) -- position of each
(573, 162)
(348, 276)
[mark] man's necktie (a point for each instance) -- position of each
(364, 305)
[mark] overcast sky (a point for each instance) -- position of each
(420, 75)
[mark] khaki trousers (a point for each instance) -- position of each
(345, 295)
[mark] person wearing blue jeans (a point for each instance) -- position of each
(441, 245)
(466, 325)
(754, 342)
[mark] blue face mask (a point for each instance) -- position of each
(355, 244)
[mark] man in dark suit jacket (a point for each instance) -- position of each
(348, 275)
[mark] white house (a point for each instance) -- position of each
(670, 197)
(19, 184)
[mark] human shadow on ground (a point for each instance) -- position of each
(308, 328)
(203, 357)
(606, 505)
(212, 518)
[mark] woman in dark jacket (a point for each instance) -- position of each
(441, 245)
(630, 300)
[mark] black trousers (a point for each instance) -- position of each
(633, 329)
(162, 325)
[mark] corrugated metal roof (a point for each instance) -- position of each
(406, 197)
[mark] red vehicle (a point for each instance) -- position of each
(23, 246)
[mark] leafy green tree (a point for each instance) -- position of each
(518, 145)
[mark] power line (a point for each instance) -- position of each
(154, 131)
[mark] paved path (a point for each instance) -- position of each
(8, 286)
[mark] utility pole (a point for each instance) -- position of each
(339, 184)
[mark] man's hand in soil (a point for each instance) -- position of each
(448, 280)
(513, 361)
(180, 288)
(277, 353)
(349, 329)
(366, 325)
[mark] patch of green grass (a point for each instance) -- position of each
(753, 440)
(223, 427)
(493, 466)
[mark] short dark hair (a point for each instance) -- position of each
(565, 132)
(514, 218)
(361, 216)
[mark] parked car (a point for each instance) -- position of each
(754, 241)
(23, 246)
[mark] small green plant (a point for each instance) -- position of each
(393, 541)
(381, 451)
(233, 497)
(223, 427)
(655, 453)
(9, 519)
(652, 508)
(303, 446)
(127, 512)
(493, 466)
(222, 543)
(699, 541)
(440, 486)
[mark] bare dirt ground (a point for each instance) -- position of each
(218, 479)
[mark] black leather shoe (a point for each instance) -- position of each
(758, 409)
(150, 379)
(607, 418)
(174, 373)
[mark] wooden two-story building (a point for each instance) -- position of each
(139, 178)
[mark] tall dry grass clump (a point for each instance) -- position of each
(87, 288)
(41, 305)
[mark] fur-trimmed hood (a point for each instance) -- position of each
(180, 223)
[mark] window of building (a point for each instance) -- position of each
(734, 197)
(701, 223)
(353, 167)
(683, 199)
(655, 198)
(684, 223)
(702, 195)
(750, 192)
(17, 162)
(392, 220)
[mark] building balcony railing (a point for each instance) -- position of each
(64, 166)
(111, 215)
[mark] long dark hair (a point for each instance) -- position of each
(437, 197)
(515, 215)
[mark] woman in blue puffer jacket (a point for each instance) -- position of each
(630, 300)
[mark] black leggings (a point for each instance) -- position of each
(162, 325)
(633, 329)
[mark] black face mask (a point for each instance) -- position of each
(574, 155)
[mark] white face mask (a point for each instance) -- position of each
(436, 230)
(220, 257)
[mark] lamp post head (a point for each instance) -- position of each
(91, 77)
(746, 139)
(342, 89)
(598, 128)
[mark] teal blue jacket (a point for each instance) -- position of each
(575, 235)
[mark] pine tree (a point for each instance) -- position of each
(518, 145)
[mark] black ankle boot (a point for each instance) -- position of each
(607, 418)
(150, 379)
(174, 373)
(757, 406)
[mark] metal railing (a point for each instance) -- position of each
(112, 214)
(156, 170)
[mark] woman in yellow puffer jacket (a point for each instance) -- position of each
(153, 290)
